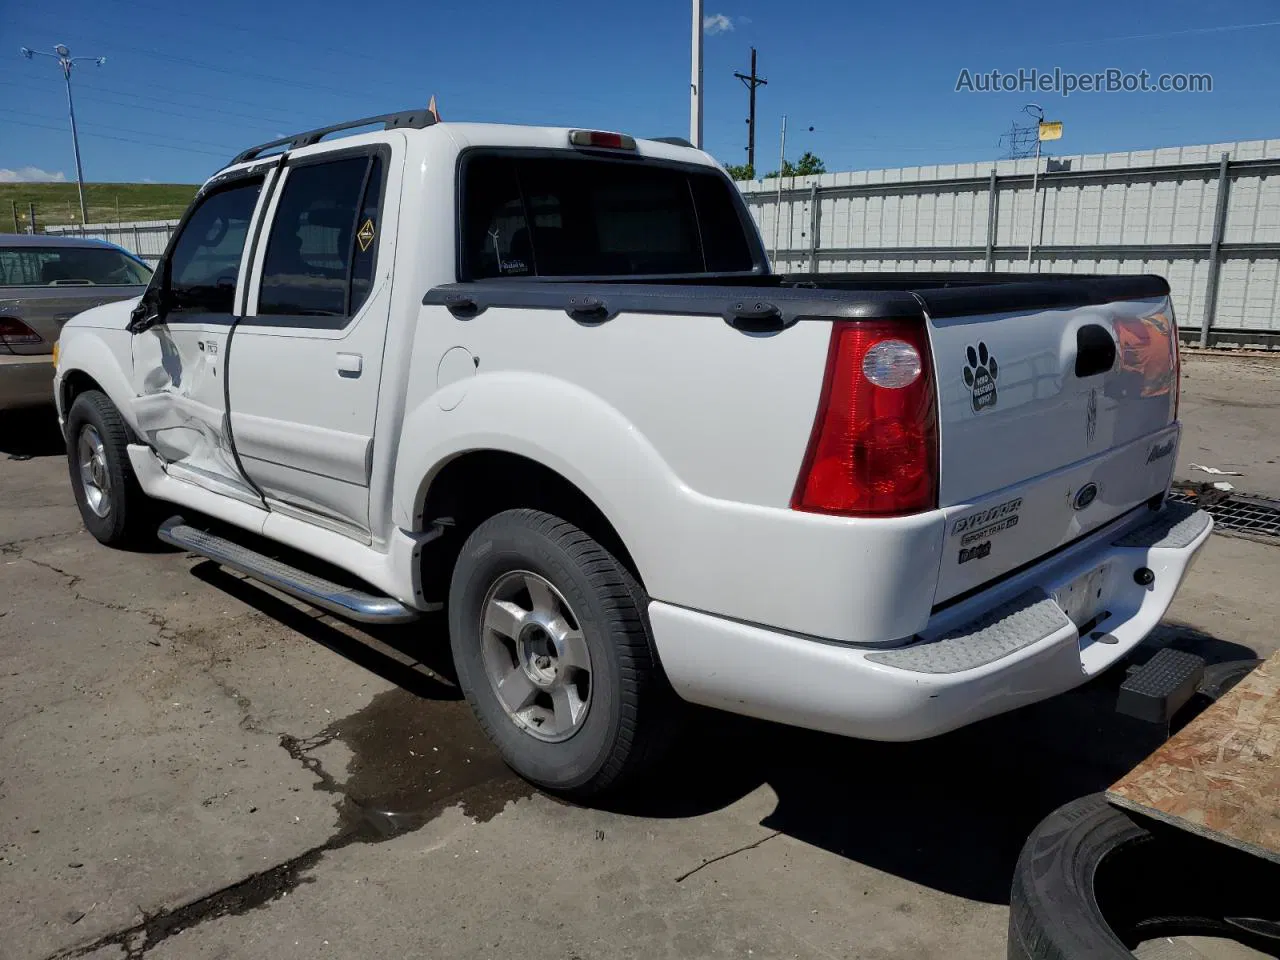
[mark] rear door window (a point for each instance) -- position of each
(570, 216)
(323, 241)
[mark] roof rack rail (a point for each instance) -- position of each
(674, 141)
(415, 119)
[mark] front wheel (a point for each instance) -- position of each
(112, 505)
(552, 647)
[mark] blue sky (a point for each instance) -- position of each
(186, 86)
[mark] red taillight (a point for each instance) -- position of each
(874, 449)
(13, 330)
(1177, 366)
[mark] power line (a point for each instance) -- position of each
(151, 109)
(104, 136)
(212, 23)
(1170, 34)
(118, 129)
(93, 91)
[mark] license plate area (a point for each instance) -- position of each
(1084, 600)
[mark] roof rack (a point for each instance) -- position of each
(674, 141)
(414, 119)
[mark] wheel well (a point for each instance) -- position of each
(75, 383)
(474, 486)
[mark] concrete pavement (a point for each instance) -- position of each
(193, 767)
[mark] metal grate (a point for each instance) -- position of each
(1255, 515)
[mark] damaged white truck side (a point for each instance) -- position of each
(544, 379)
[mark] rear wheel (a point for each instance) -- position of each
(552, 648)
(112, 505)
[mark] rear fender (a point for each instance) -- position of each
(837, 577)
(557, 424)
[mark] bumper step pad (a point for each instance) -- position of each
(1161, 687)
(1175, 527)
(1026, 619)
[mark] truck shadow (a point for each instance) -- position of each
(25, 434)
(419, 664)
(949, 813)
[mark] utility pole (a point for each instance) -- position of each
(782, 167)
(66, 62)
(751, 83)
(695, 79)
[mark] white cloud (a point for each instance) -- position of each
(716, 23)
(31, 175)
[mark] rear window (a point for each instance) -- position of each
(570, 216)
(69, 266)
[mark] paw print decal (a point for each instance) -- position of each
(980, 373)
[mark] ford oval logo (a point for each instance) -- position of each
(1086, 495)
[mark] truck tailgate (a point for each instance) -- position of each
(1052, 423)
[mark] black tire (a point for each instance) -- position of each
(1219, 678)
(632, 707)
(1093, 882)
(129, 516)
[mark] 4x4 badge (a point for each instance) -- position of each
(980, 373)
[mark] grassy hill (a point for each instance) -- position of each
(59, 203)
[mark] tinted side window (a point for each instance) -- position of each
(309, 252)
(205, 264)
(495, 235)
(368, 226)
(578, 217)
(724, 240)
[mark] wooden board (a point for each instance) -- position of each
(1219, 776)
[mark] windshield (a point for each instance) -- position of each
(70, 266)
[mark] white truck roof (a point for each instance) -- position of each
(420, 125)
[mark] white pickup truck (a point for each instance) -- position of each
(545, 380)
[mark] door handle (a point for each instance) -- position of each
(350, 364)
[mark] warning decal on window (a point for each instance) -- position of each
(364, 236)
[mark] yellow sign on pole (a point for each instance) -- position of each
(1050, 129)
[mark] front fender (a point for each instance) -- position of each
(557, 424)
(104, 355)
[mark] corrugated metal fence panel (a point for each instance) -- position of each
(1142, 211)
(146, 238)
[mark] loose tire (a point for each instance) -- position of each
(112, 505)
(552, 648)
(1093, 882)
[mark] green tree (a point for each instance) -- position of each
(740, 171)
(808, 165)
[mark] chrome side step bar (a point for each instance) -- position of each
(325, 594)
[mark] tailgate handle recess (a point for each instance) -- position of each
(755, 316)
(1095, 350)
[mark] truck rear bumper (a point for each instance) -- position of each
(1007, 646)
